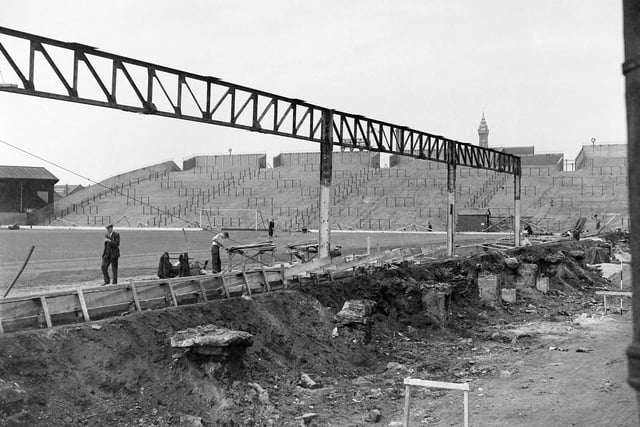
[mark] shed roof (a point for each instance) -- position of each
(26, 172)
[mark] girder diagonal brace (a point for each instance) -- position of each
(227, 104)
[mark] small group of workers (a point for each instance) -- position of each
(111, 252)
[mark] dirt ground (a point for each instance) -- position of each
(546, 360)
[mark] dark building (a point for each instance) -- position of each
(24, 189)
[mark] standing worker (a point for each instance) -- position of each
(272, 225)
(110, 254)
(216, 244)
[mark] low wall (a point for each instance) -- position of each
(226, 161)
(10, 218)
(145, 172)
(601, 155)
(553, 160)
(519, 151)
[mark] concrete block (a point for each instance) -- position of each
(542, 284)
(509, 295)
(489, 288)
(435, 302)
(526, 277)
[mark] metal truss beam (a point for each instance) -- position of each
(86, 75)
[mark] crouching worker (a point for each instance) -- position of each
(164, 267)
(216, 244)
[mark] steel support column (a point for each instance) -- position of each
(631, 70)
(516, 210)
(451, 208)
(326, 170)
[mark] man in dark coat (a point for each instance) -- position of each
(110, 254)
(272, 225)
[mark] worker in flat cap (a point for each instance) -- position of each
(110, 254)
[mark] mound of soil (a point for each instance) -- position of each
(124, 372)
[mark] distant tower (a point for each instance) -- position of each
(483, 133)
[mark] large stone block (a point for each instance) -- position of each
(211, 335)
(526, 277)
(542, 284)
(509, 295)
(489, 288)
(435, 302)
(212, 340)
(355, 311)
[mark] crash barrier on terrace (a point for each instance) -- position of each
(408, 382)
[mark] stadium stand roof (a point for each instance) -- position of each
(26, 172)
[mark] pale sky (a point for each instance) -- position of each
(545, 73)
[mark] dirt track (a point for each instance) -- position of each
(123, 372)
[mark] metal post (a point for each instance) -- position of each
(516, 209)
(631, 70)
(451, 208)
(326, 153)
(593, 153)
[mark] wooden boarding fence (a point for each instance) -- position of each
(71, 306)
(85, 304)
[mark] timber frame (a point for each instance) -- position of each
(221, 103)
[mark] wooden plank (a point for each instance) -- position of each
(173, 294)
(186, 289)
(63, 304)
(235, 283)
(307, 267)
(213, 284)
(224, 286)
(254, 280)
(45, 310)
(246, 282)
(284, 276)
(614, 293)
(203, 292)
(436, 384)
(21, 309)
(134, 291)
(107, 297)
(83, 304)
(266, 280)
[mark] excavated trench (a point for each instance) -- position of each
(305, 364)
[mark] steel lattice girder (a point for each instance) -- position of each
(212, 100)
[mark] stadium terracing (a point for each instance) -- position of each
(244, 191)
